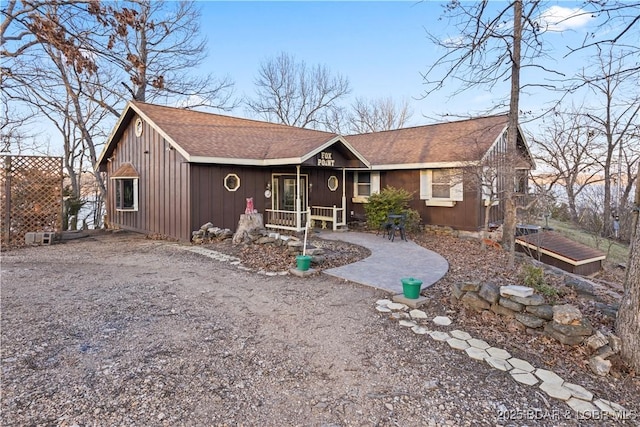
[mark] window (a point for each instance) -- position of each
(232, 182)
(441, 187)
(364, 185)
(126, 194)
(332, 183)
(520, 184)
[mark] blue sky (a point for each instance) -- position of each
(380, 46)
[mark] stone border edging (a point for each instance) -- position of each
(575, 396)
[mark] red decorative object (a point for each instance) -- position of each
(249, 209)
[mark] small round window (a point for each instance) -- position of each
(232, 182)
(333, 183)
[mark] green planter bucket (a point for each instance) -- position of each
(411, 287)
(303, 262)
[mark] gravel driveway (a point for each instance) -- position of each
(119, 330)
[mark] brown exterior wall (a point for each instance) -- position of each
(465, 215)
(163, 187)
(212, 202)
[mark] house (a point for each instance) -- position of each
(440, 164)
(171, 170)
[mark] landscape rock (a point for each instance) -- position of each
(564, 339)
(582, 329)
(511, 305)
(470, 287)
(472, 300)
(542, 311)
(596, 341)
(456, 290)
(529, 320)
(566, 314)
(490, 292)
(535, 299)
(516, 290)
(599, 366)
(605, 352)
(502, 311)
(615, 342)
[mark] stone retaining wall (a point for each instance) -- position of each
(533, 314)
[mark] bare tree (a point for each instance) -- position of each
(155, 49)
(378, 115)
(614, 119)
(567, 147)
(489, 49)
(290, 92)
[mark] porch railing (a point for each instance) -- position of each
(286, 220)
(325, 214)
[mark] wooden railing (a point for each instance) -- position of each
(325, 214)
(286, 220)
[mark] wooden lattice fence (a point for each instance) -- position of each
(31, 199)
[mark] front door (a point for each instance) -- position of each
(285, 192)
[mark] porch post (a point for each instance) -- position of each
(344, 196)
(298, 202)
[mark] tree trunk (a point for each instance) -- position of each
(509, 229)
(628, 321)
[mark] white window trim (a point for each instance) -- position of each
(237, 180)
(373, 189)
(135, 195)
(456, 193)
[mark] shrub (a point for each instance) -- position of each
(533, 277)
(391, 200)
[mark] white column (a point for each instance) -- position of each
(344, 196)
(298, 202)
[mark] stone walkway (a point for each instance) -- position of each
(578, 398)
(389, 262)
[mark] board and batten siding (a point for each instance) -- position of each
(164, 200)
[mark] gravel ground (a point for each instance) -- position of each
(116, 329)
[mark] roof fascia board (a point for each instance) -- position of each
(245, 162)
(428, 165)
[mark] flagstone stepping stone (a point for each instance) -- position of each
(439, 335)
(461, 335)
(548, 376)
(442, 320)
(397, 306)
(499, 353)
(523, 365)
(556, 390)
(578, 391)
(474, 342)
(384, 302)
(457, 344)
(408, 323)
(476, 353)
(417, 314)
(383, 309)
(610, 408)
(523, 377)
(419, 330)
(498, 363)
(582, 407)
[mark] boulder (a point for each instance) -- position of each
(456, 291)
(564, 339)
(583, 329)
(519, 291)
(596, 341)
